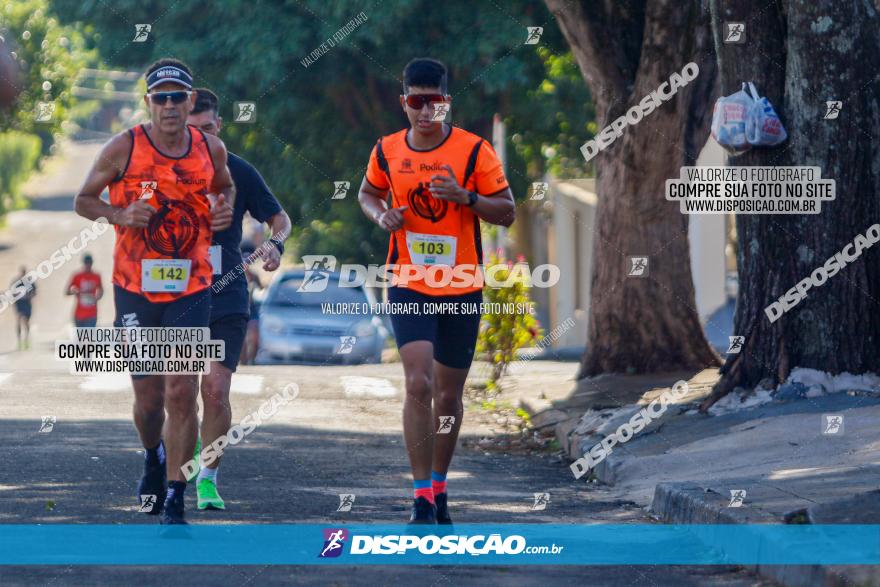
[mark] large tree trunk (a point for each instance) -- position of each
(801, 53)
(625, 51)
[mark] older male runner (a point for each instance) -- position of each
(163, 177)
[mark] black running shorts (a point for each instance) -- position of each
(453, 334)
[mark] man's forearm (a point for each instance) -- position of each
(279, 224)
(94, 208)
(373, 206)
(500, 211)
(229, 192)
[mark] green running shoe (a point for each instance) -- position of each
(198, 461)
(209, 499)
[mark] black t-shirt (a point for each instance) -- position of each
(254, 196)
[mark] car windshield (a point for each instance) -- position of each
(287, 294)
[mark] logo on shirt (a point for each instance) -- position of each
(147, 189)
(406, 166)
(435, 166)
(173, 229)
(423, 204)
(191, 180)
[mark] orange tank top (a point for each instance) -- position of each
(170, 257)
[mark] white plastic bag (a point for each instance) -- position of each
(729, 121)
(763, 127)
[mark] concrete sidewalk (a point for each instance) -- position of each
(684, 466)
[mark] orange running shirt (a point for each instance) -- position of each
(180, 230)
(87, 284)
(435, 231)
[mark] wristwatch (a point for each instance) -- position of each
(472, 199)
(278, 245)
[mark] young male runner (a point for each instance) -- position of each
(86, 286)
(229, 304)
(161, 177)
(442, 181)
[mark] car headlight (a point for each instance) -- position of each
(363, 328)
(273, 324)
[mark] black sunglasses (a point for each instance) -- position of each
(176, 97)
(418, 101)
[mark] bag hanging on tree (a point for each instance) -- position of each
(729, 121)
(763, 127)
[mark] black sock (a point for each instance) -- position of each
(176, 488)
(155, 455)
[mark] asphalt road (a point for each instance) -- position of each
(342, 434)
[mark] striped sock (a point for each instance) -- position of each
(438, 482)
(422, 488)
(210, 474)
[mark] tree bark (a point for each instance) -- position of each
(625, 51)
(800, 53)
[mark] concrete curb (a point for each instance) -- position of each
(690, 503)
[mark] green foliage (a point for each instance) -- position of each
(502, 334)
(49, 55)
(19, 153)
(548, 126)
(316, 124)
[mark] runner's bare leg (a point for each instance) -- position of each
(448, 390)
(418, 430)
(182, 427)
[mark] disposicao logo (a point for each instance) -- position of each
(334, 541)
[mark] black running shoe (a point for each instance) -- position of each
(153, 485)
(441, 500)
(173, 510)
(423, 512)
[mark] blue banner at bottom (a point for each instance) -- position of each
(473, 544)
